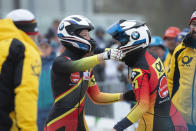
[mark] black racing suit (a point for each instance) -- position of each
(71, 78)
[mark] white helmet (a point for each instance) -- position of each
(131, 34)
(68, 32)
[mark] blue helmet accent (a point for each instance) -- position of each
(60, 35)
(61, 26)
(71, 21)
(157, 41)
(182, 34)
(114, 29)
(118, 33)
(81, 45)
(139, 42)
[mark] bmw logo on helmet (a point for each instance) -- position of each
(135, 35)
(61, 26)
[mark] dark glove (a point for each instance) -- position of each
(123, 124)
(129, 96)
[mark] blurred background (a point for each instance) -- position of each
(159, 14)
(110, 76)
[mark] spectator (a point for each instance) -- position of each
(170, 43)
(182, 76)
(157, 47)
(51, 35)
(20, 70)
(99, 70)
(99, 37)
(52, 32)
(182, 35)
(45, 99)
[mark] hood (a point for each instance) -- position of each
(8, 31)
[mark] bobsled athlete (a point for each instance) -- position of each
(154, 109)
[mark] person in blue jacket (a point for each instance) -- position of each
(157, 47)
(45, 98)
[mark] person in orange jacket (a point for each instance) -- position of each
(170, 43)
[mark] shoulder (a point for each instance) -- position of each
(17, 49)
(17, 45)
(178, 50)
(61, 59)
(59, 62)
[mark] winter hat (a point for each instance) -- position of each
(24, 20)
(193, 17)
(171, 32)
(182, 34)
(157, 41)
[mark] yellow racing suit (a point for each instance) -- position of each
(181, 81)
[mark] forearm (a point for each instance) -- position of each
(103, 98)
(62, 65)
(135, 114)
(85, 63)
(106, 98)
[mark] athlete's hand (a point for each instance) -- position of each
(113, 54)
(129, 96)
(113, 129)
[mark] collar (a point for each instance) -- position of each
(71, 54)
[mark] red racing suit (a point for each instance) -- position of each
(154, 109)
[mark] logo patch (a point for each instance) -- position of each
(61, 26)
(135, 35)
(75, 77)
(92, 81)
(36, 68)
(86, 75)
(159, 68)
(186, 60)
(163, 88)
(136, 73)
